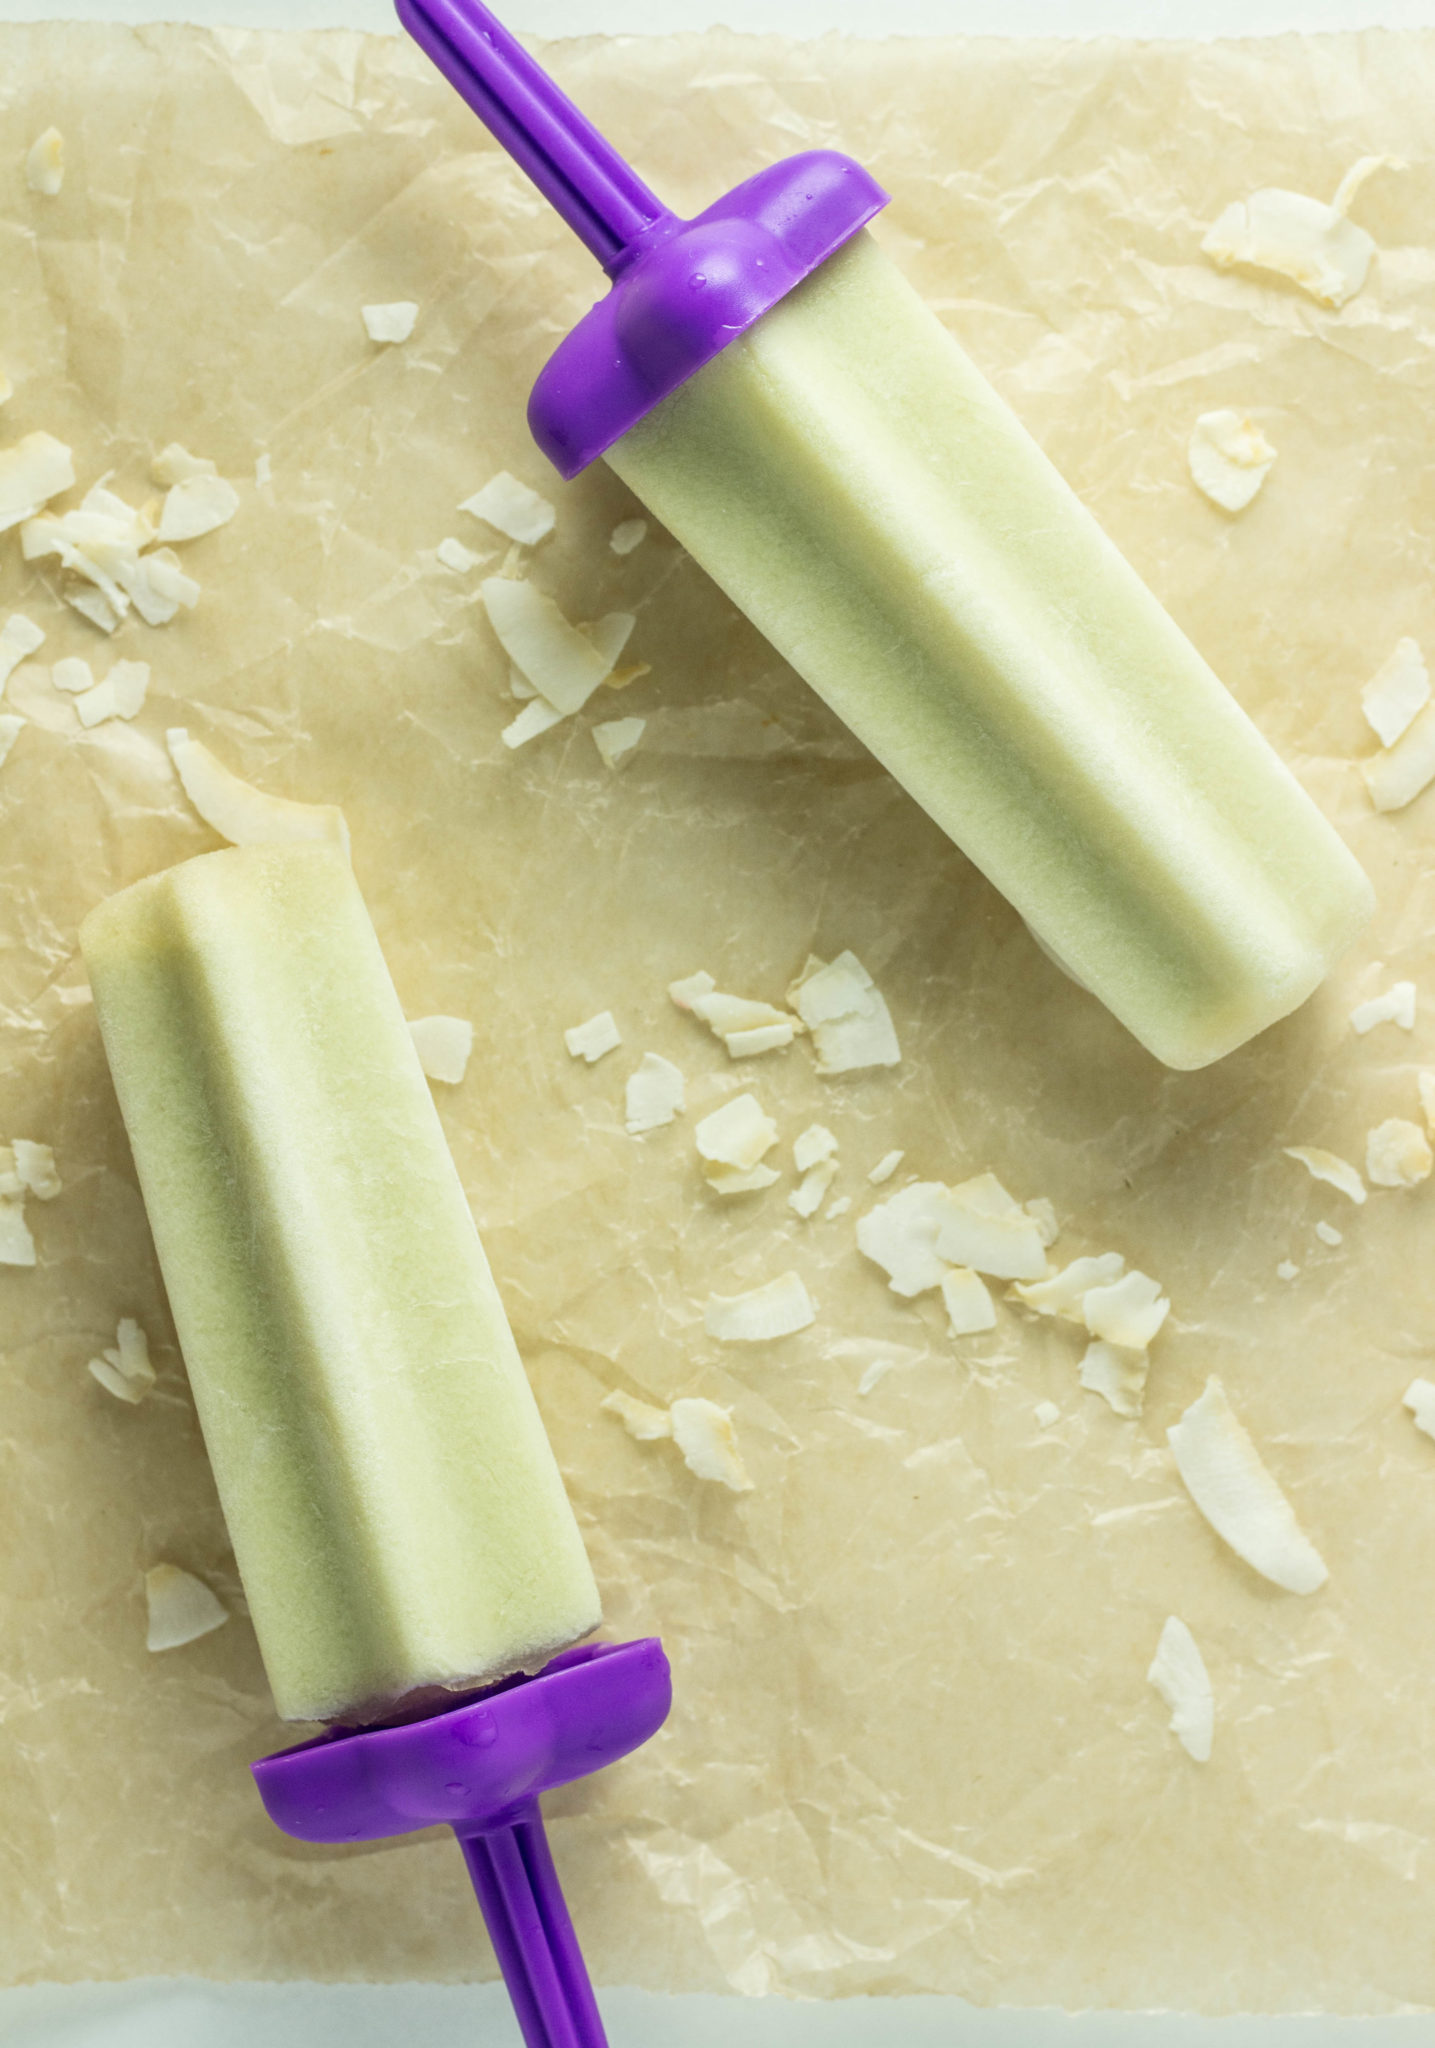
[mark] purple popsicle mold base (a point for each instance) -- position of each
(479, 1768)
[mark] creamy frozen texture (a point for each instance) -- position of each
(395, 1508)
(851, 480)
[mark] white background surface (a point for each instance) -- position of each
(190, 2015)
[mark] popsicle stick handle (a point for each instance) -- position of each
(532, 1935)
(605, 203)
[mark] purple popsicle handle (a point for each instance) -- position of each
(606, 204)
(532, 1935)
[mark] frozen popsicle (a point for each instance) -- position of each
(396, 1512)
(775, 392)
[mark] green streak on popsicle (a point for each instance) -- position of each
(850, 479)
(395, 1508)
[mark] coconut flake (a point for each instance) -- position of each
(737, 1180)
(196, 506)
(641, 1420)
(616, 738)
(1229, 458)
(392, 322)
(19, 639)
(812, 1146)
(94, 606)
(514, 510)
(35, 1169)
(10, 728)
(1296, 237)
(969, 1306)
(1287, 1270)
(1395, 1006)
(1397, 692)
(1330, 1168)
(1426, 1084)
(591, 1040)
(1419, 1398)
(1065, 1292)
(704, 1434)
(124, 1368)
(181, 1608)
(900, 1236)
(1127, 1312)
(1397, 1154)
(454, 555)
(1007, 1247)
(45, 163)
(563, 663)
(627, 535)
(17, 1247)
(1328, 1234)
(535, 717)
(120, 695)
(838, 1208)
(175, 465)
(1397, 776)
(811, 1191)
(239, 812)
(850, 1023)
(886, 1166)
(876, 1372)
(686, 992)
(73, 675)
(743, 1045)
(724, 1013)
(443, 1045)
(775, 1310)
(1117, 1373)
(35, 470)
(737, 1135)
(1224, 1476)
(1043, 1215)
(1178, 1672)
(654, 1094)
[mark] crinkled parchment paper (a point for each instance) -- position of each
(913, 1747)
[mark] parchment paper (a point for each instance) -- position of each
(913, 1747)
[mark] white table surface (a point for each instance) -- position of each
(153, 2013)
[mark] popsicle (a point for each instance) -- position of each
(396, 1512)
(774, 391)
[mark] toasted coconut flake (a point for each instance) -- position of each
(1065, 1292)
(35, 470)
(738, 1180)
(1328, 1234)
(1395, 1006)
(19, 639)
(563, 663)
(1397, 692)
(120, 695)
(1043, 1215)
(1293, 236)
(886, 1166)
(811, 1191)
(616, 738)
(850, 1023)
(627, 535)
(969, 1305)
(17, 1247)
(654, 1094)
(1007, 1247)
(778, 1309)
(1117, 1373)
(175, 465)
(743, 1045)
(536, 717)
(685, 993)
(444, 1045)
(610, 634)
(724, 1014)
(1287, 1270)
(1127, 1312)
(392, 322)
(514, 510)
(10, 730)
(704, 1434)
(1419, 1398)
(641, 1420)
(736, 1135)
(838, 1208)
(73, 675)
(591, 1040)
(1178, 1672)
(94, 606)
(1224, 1476)
(239, 812)
(1397, 1154)
(1229, 458)
(812, 1146)
(181, 1608)
(1397, 776)
(454, 555)
(45, 163)
(1330, 1168)
(900, 1236)
(35, 1169)
(196, 506)
(124, 1369)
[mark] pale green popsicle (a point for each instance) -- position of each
(395, 1508)
(851, 480)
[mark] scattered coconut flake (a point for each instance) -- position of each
(1397, 1154)
(591, 1040)
(1397, 692)
(158, 586)
(639, 1418)
(10, 1181)
(35, 1169)
(738, 1180)
(239, 812)
(900, 1236)
(759, 1038)
(515, 510)
(195, 506)
(610, 634)
(454, 555)
(627, 535)
(120, 695)
(654, 1094)
(1426, 1082)
(812, 1146)
(175, 465)
(1065, 1292)
(724, 1014)
(838, 1208)
(1419, 1398)
(1395, 1006)
(876, 1372)
(704, 1434)
(124, 1368)
(811, 1191)
(1328, 1234)
(17, 1247)
(1229, 458)
(1224, 1476)
(563, 663)
(392, 322)
(1046, 1413)
(45, 163)
(519, 685)
(737, 1135)
(684, 993)
(1287, 1270)
(850, 1023)
(969, 1306)
(1328, 1167)
(73, 674)
(616, 738)
(1043, 1215)
(19, 638)
(1117, 1373)
(985, 1194)
(536, 716)
(10, 728)
(35, 470)
(181, 1608)
(1127, 1312)
(1178, 1672)
(775, 1310)
(1398, 775)
(94, 606)
(1295, 237)
(263, 471)
(886, 1166)
(1007, 1247)
(443, 1045)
